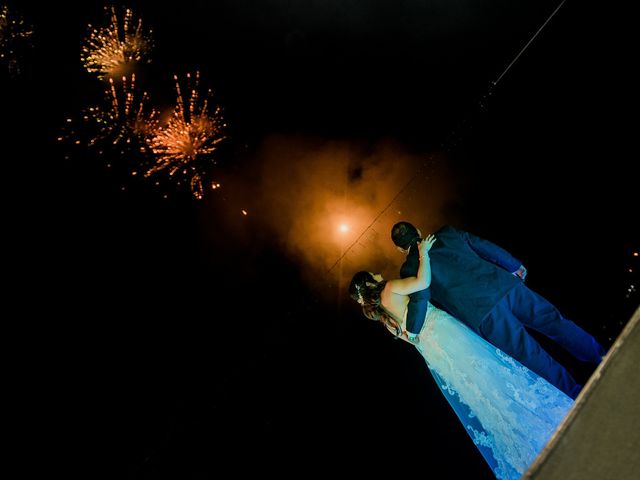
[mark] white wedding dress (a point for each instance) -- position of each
(509, 411)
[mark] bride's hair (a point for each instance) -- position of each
(365, 290)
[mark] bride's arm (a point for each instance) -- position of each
(406, 286)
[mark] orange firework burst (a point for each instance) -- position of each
(125, 117)
(128, 118)
(14, 36)
(184, 146)
(125, 121)
(112, 51)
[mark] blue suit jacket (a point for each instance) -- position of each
(469, 276)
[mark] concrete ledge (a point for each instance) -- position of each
(600, 437)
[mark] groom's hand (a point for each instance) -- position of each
(521, 272)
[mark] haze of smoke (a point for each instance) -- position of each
(309, 187)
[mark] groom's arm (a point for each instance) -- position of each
(493, 253)
(418, 301)
(417, 310)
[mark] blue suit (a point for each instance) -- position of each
(471, 279)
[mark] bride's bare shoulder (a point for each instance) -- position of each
(392, 301)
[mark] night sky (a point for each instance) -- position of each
(161, 336)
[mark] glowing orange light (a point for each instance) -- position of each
(635, 254)
(344, 228)
(244, 212)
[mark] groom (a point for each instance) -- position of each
(482, 285)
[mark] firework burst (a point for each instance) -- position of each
(123, 123)
(14, 36)
(128, 119)
(113, 50)
(183, 148)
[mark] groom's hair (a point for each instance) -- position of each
(403, 234)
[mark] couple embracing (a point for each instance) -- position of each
(462, 302)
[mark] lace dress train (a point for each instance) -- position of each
(509, 411)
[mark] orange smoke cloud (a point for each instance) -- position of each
(330, 205)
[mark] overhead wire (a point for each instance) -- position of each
(430, 161)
